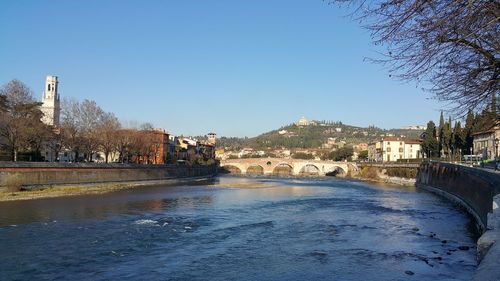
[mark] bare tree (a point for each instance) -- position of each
(21, 127)
(124, 143)
(70, 126)
(90, 119)
(108, 134)
(453, 44)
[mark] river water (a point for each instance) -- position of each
(239, 229)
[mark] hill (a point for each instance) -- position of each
(314, 134)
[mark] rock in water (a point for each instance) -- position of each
(409, 272)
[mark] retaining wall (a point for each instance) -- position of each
(32, 175)
(473, 188)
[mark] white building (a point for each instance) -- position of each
(51, 102)
(415, 127)
(484, 143)
(412, 149)
(303, 122)
(393, 149)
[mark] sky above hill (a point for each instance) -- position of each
(237, 68)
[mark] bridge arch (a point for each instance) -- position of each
(309, 170)
(283, 169)
(335, 171)
(231, 169)
(255, 169)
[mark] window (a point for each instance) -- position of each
(388, 149)
(400, 149)
(48, 87)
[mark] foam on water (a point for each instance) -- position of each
(146, 222)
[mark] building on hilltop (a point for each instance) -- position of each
(51, 107)
(211, 138)
(415, 127)
(303, 122)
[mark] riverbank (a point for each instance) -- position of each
(66, 190)
(388, 175)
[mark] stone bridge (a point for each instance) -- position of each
(279, 166)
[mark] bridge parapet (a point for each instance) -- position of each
(269, 166)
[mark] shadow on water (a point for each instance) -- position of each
(100, 206)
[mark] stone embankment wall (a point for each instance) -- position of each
(32, 175)
(478, 191)
(472, 188)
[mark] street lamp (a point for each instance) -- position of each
(496, 147)
(496, 153)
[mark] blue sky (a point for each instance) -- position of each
(238, 68)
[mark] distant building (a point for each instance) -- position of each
(303, 122)
(211, 138)
(51, 107)
(172, 145)
(206, 149)
(360, 146)
(158, 149)
(282, 132)
(415, 127)
(412, 149)
(484, 143)
(375, 151)
(220, 153)
(393, 149)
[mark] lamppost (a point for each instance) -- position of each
(496, 153)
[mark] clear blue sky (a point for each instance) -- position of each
(238, 68)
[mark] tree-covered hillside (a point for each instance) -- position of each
(314, 135)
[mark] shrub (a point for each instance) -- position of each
(369, 172)
(408, 173)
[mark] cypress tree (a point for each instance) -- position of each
(469, 129)
(458, 139)
(447, 137)
(430, 145)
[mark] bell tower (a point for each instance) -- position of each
(211, 138)
(50, 102)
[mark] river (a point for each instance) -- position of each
(239, 229)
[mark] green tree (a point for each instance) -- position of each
(430, 144)
(302, 155)
(363, 155)
(340, 154)
(448, 138)
(470, 123)
(458, 140)
(441, 135)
